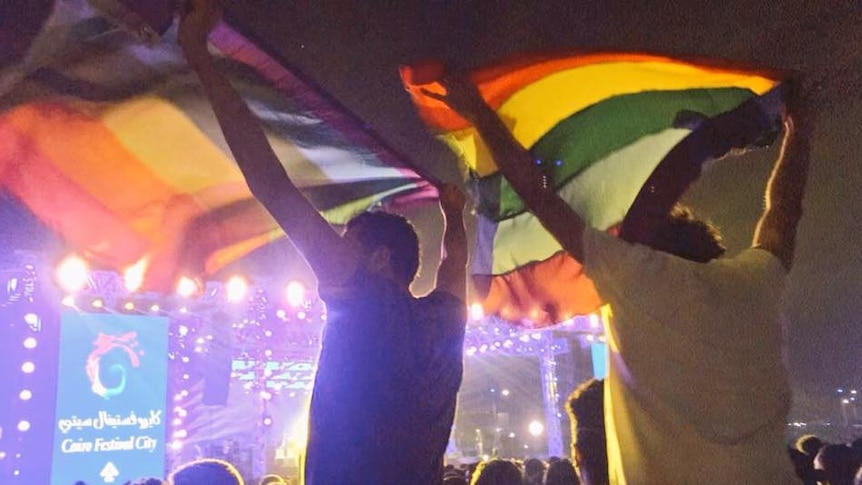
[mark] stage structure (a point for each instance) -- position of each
(238, 355)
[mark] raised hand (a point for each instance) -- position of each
(197, 19)
(452, 199)
(462, 96)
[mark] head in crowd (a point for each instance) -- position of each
(809, 444)
(534, 471)
(839, 464)
(207, 470)
(389, 242)
(145, 481)
(454, 480)
(561, 472)
(688, 237)
(272, 479)
(586, 411)
(497, 472)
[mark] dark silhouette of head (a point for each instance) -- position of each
(839, 464)
(561, 472)
(272, 479)
(809, 444)
(207, 470)
(497, 472)
(585, 407)
(534, 471)
(683, 234)
(387, 239)
(145, 481)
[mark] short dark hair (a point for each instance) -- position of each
(393, 232)
(688, 237)
(206, 470)
(586, 409)
(497, 472)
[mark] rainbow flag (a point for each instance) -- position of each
(113, 145)
(598, 124)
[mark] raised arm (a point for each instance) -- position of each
(516, 164)
(452, 273)
(776, 230)
(332, 258)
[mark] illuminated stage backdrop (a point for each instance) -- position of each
(111, 398)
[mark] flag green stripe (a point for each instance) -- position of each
(600, 195)
(600, 130)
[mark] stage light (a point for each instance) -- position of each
(536, 428)
(477, 312)
(30, 343)
(184, 310)
(97, 303)
(483, 348)
(176, 445)
(154, 308)
(28, 367)
(511, 435)
(72, 273)
(25, 394)
(524, 338)
(129, 306)
(301, 315)
(68, 301)
(186, 287)
(176, 422)
(267, 420)
(185, 359)
(295, 293)
(31, 319)
(23, 426)
(133, 276)
(181, 412)
(281, 314)
(505, 392)
(184, 330)
(265, 395)
(595, 322)
(179, 434)
(2, 455)
(471, 350)
(267, 353)
(236, 288)
(268, 333)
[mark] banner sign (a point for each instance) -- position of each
(111, 399)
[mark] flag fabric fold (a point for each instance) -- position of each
(113, 145)
(597, 124)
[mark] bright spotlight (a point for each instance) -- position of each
(28, 367)
(97, 303)
(295, 293)
(30, 343)
(129, 306)
(23, 425)
(25, 395)
(68, 300)
(267, 420)
(176, 445)
(133, 276)
(186, 287)
(236, 288)
(536, 428)
(72, 273)
(477, 312)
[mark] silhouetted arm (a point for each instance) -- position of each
(332, 258)
(516, 164)
(452, 273)
(776, 230)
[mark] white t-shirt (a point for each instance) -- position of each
(697, 391)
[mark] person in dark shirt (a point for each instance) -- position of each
(390, 367)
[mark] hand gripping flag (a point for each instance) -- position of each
(598, 124)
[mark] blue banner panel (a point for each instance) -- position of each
(599, 352)
(111, 397)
